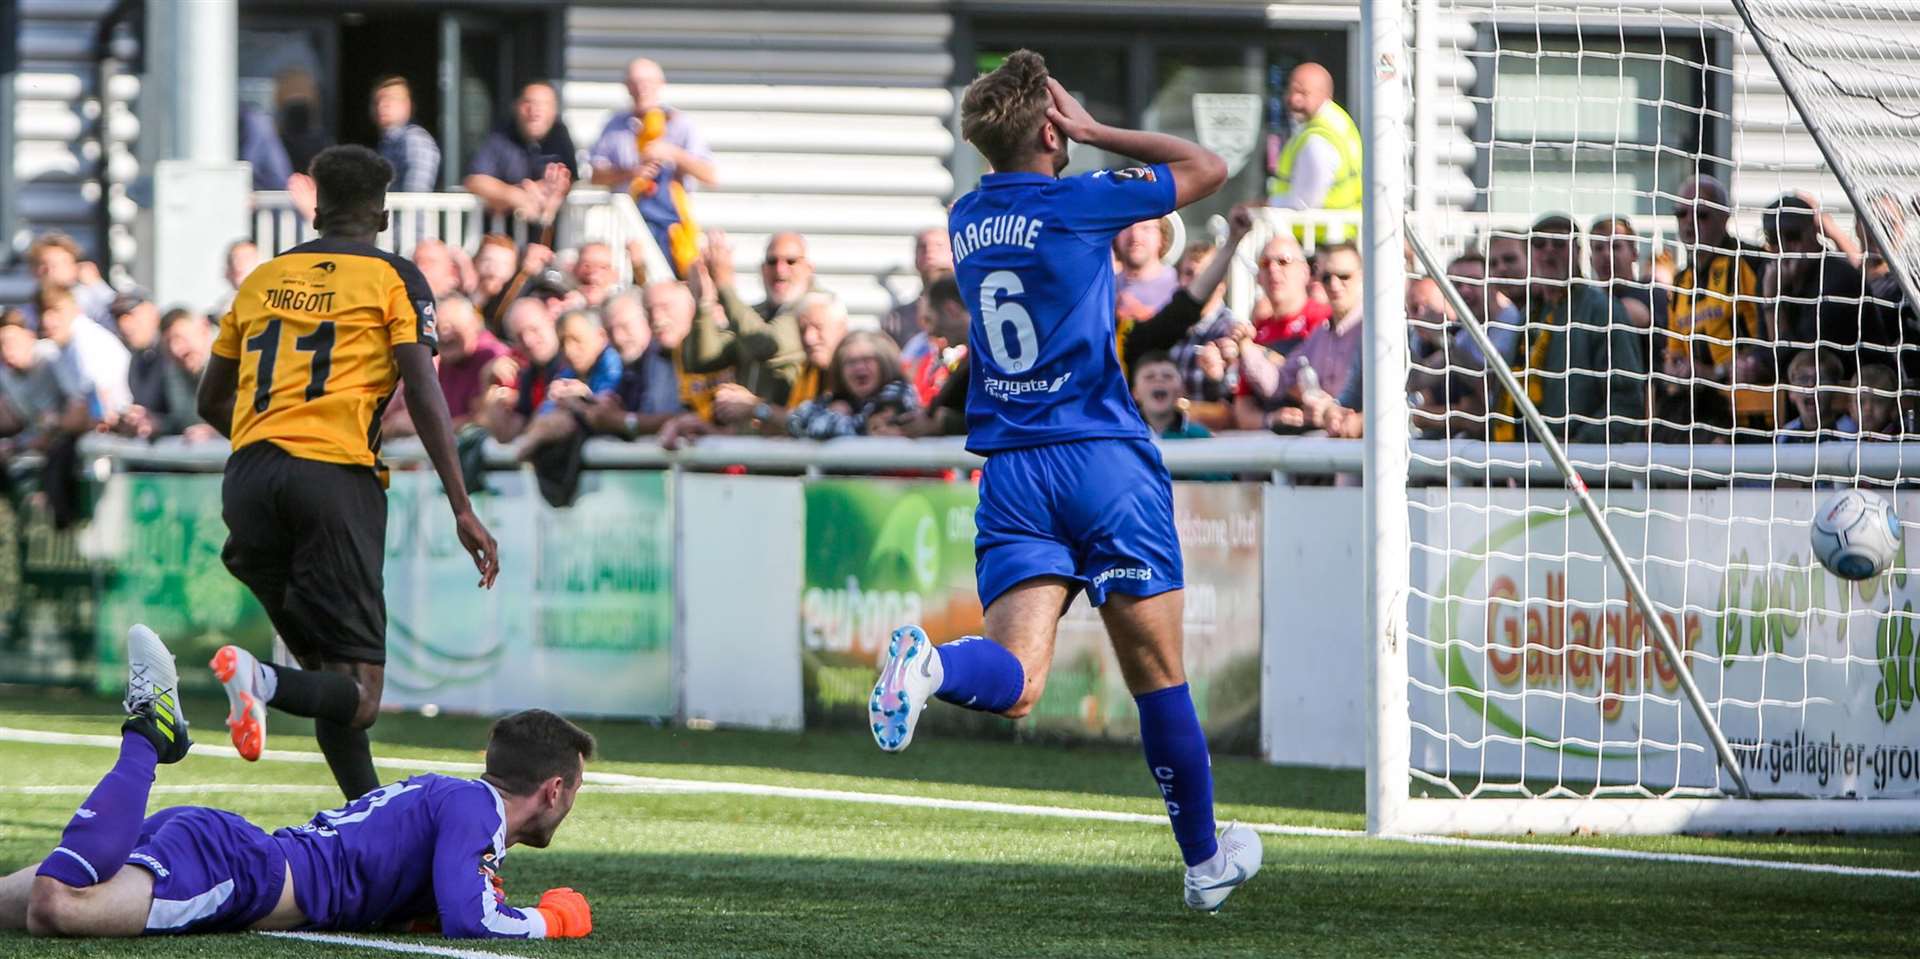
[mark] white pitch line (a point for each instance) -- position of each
(390, 945)
(624, 783)
(174, 789)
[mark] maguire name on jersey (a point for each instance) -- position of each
(1032, 255)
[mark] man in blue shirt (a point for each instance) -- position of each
(1073, 495)
(428, 848)
(651, 153)
(526, 164)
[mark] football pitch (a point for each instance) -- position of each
(731, 843)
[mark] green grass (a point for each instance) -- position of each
(724, 875)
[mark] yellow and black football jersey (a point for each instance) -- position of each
(313, 330)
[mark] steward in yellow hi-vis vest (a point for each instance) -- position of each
(305, 362)
(1320, 166)
(313, 330)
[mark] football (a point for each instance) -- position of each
(1856, 534)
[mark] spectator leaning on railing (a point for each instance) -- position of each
(188, 337)
(405, 144)
(822, 323)
(525, 166)
(761, 344)
(864, 386)
(38, 402)
(89, 355)
(1578, 364)
(508, 409)
(1284, 391)
(1161, 396)
(1715, 300)
(670, 309)
(1285, 315)
(946, 413)
(1815, 384)
(594, 273)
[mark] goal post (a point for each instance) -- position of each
(1661, 243)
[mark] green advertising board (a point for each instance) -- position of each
(882, 553)
(580, 619)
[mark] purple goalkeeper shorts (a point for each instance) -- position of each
(213, 871)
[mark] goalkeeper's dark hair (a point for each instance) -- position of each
(1002, 112)
(352, 185)
(532, 746)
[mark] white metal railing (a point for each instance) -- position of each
(1460, 461)
(461, 219)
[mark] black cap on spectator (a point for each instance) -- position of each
(549, 283)
(128, 300)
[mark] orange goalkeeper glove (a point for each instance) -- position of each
(566, 914)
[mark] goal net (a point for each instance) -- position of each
(1632, 199)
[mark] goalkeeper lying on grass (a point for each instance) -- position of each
(424, 848)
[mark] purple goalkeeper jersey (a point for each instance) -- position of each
(428, 845)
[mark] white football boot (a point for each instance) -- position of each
(153, 695)
(909, 678)
(1211, 882)
(239, 672)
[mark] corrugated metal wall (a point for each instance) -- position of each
(57, 109)
(830, 122)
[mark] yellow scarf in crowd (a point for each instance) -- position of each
(683, 238)
(1508, 430)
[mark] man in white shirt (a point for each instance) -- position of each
(89, 355)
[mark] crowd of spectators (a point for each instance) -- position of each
(1800, 336)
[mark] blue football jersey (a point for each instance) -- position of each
(424, 846)
(1033, 257)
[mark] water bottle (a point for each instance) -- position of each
(1307, 379)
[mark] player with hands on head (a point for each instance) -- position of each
(1073, 495)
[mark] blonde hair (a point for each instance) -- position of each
(1002, 112)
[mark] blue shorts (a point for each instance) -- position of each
(212, 870)
(1097, 513)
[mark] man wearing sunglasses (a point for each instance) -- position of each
(761, 344)
(1282, 395)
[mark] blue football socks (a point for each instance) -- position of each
(981, 674)
(1176, 749)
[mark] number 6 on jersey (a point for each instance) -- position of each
(999, 315)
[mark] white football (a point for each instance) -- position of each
(1856, 534)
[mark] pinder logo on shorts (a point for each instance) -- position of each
(1141, 573)
(151, 863)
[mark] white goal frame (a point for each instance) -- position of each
(1391, 806)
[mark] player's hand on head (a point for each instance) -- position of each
(1067, 114)
(567, 914)
(480, 545)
